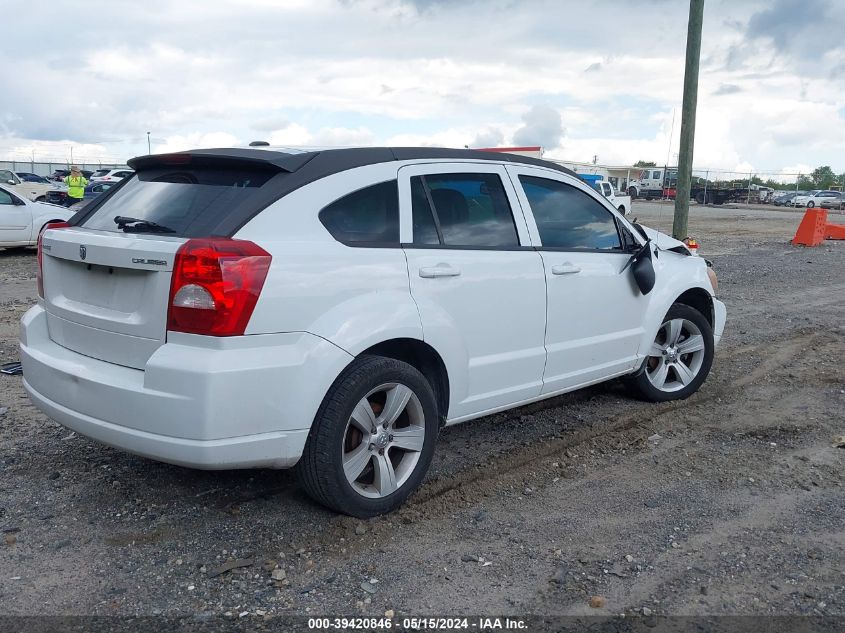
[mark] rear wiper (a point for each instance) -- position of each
(136, 225)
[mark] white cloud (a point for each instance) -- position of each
(196, 140)
(427, 72)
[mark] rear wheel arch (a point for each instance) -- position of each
(425, 359)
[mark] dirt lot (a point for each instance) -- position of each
(729, 503)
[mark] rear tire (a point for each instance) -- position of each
(372, 440)
(679, 358)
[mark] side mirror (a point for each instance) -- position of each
(643, 270)
(11, 182)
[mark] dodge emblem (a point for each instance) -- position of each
(82, 251)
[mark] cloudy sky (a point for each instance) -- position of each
(581, 78)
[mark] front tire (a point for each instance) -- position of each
(811, 204)
(678, 360)
(372, 440)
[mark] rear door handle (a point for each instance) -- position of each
(442, 270)
(566, 268)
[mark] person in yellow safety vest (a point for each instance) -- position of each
(76, 183)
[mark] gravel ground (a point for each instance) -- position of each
(731, 502)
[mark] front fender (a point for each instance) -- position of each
(676, 274)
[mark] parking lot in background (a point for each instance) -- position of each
(729, 502)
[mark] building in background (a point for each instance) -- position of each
(617, 175)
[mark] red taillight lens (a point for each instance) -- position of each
(39, 274)
(215, 286)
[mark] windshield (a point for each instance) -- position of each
(187, 200)
(100, 172)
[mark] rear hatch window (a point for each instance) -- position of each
(177, 201)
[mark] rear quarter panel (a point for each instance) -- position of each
(352, 296)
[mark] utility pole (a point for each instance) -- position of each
(148, 143)
(696, 18)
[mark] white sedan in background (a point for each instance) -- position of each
(802, 199)
(26, 188)
(21, 219)
(833, 202)
(820, 198)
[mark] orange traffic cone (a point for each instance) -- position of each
(811, 231)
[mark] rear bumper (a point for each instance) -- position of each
(242, 402)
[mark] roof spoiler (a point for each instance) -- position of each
(224, 157)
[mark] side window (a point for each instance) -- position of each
(6, 176)
(469, 210)
(367, 216)
(655, 175)
(6, 198)
(569, 218)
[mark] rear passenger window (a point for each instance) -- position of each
(568, 217)
(368, 216)
(468, 209)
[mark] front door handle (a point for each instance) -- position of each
(441, 270)
(566, 268)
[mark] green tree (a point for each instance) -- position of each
(805, 182)
(823, 177)
(645, 163)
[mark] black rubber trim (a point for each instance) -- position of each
(452, 247)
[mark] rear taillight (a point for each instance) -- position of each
(39, 274)
(215, 286)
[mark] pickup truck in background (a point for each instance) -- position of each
(618, 200)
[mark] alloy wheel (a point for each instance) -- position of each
(676, 356)
(383, 440)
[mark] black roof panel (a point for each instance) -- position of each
(328, 161)
(295, 170)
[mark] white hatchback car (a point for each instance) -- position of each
(331, 310)
(21, 220)
(824, 198)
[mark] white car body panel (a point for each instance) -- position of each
(594, 315)
(97, 356)
(211, 403)
(29, 190)
(21, 223)
(319, 285)
(495, 304)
